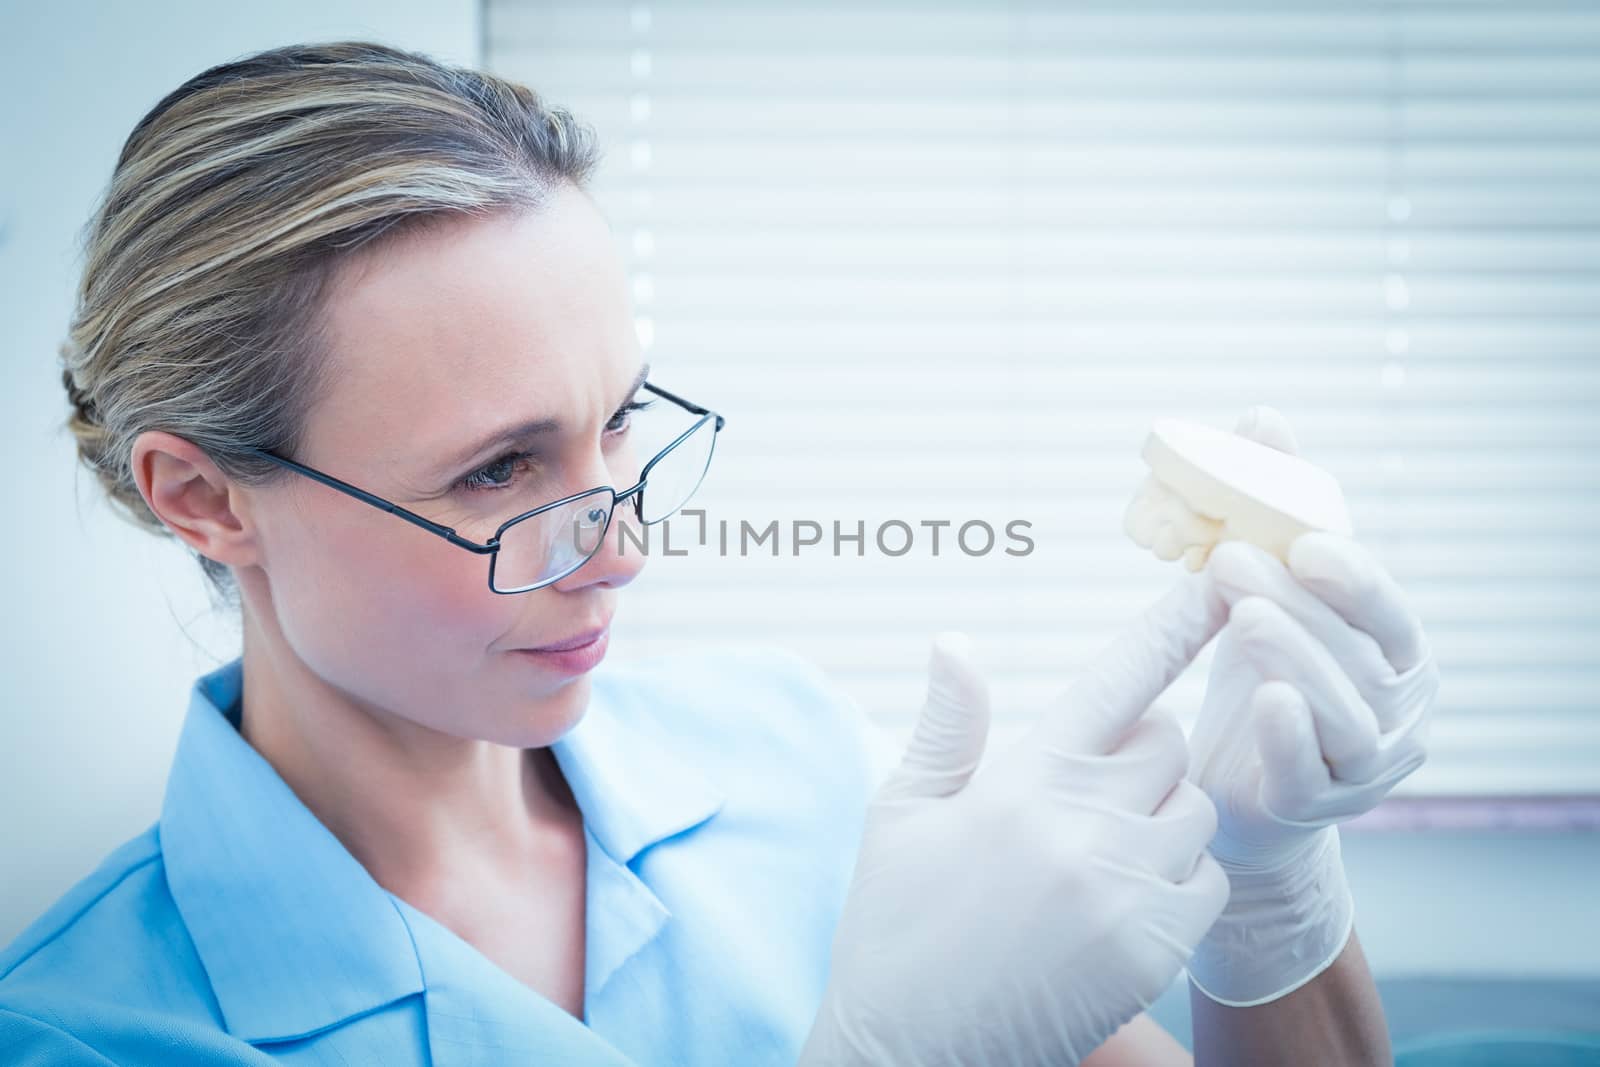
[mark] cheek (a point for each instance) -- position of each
(433, 600)
(407, 622)
(452, 594)
(381, 595)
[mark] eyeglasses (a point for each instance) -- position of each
(534, 549)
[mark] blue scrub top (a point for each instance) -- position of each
(723, 796)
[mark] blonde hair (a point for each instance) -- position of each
(229, 207)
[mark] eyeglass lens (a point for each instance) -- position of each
(556, 542)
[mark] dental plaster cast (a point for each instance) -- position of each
(1208, 485)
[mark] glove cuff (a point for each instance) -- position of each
(1283, 926)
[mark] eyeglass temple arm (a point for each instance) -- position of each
(447, 532)
(686, 404)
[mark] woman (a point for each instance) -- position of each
(351, 331)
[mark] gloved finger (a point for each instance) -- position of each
(1405, 748)
(1282, 650)
(1347, 576)
(1116, 687)
(1267, 426)
(948, 740)
(1177, 913)
(1220, 726)
(1403, 759)
(1294, 777)
(1305, 796)
(1134, 777)
(1414, 687)
(1242, 569)
(1165, 844)
(1192, 906)
(1348, 800)
(1409, 698)
(1179, 831)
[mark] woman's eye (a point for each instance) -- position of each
(621, 420)
(502, 472)
(498, 474)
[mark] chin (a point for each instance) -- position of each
(535, 722)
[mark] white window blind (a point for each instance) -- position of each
(946, 261)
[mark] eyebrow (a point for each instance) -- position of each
(522, 432)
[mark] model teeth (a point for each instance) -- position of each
(1205, 486)
(1159, 519)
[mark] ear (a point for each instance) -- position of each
(193, 498)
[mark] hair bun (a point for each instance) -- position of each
(82, 401)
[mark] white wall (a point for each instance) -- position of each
(95, 665)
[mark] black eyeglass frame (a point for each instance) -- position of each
(491, 548)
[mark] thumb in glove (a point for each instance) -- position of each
(948, 741)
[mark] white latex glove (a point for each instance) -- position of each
(1022, 915)
(1317, 704)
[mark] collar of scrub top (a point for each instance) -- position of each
(296, 936)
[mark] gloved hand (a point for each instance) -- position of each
(1021, 915)
(1317, 704)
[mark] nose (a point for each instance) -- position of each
(617, 561)
(620, 556)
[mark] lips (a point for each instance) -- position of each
(587, 637)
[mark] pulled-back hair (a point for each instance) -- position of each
(231, 204)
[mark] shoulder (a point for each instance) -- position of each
(27, 1041)
(109, 1034)
(114, 938)
(104, 890)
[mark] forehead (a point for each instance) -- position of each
(451, 329)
